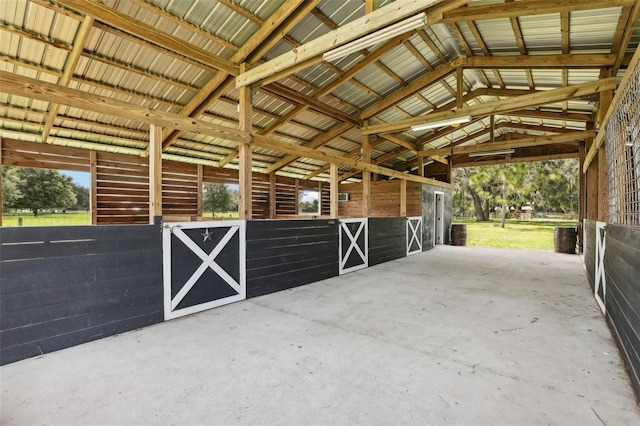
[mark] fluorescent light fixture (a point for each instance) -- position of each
(497, 152)
(379, 36)
(441, 123)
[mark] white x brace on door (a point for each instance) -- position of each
(354, 244)
(414, 235)
(203, 265)
(600, 288)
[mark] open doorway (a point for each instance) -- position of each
(438, 221)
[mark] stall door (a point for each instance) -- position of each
(354, 244)
(414, 235)
(204, 266)
(600, 291)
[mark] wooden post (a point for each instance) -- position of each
(244, 152)
(606, 97)
(403, 197)
(449, 169)
(93, 186)
(492, 128)
(155, 172)
(200, 194)
(420, 166)
(603, 186)
(272, 195)
(371, 5)
(459, 87)
(320, 198)
(297, 197)
(333, 191)
(582, 197)
(366, 176)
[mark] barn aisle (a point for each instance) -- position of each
(455, 335)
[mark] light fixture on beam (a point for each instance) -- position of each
(497, 152)
(384, 34)
(441, 123)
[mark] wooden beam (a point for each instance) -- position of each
(420, 163)
(509, 160)
(562, 61)
(48, 92)
(391, 138)
(626, 37)
(519, 143)
(69, 67)
(155, 172)
(244, 154)
(333, 191)
(527, 8)
(1, 181)
(278, 145)
(501, 106)
(148, 32)
(355, 29)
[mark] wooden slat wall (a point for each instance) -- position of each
(287, 253)
(385, 199)
(25, 154)
(179, 188)
(122, 189)
(62, 286)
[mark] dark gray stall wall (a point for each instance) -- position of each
(428, 214)
(622, 271)
(387, 239)
(287, 253)
(62, 286)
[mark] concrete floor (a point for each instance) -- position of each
(456, 335)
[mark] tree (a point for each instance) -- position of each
(43, 189)
(217, 197)
(10, 187)
(82, 197)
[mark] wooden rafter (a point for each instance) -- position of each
(502, 106)
(311, 52)
(528, 8)
(149, 33)
(489, 146)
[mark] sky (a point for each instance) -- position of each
(81, 178)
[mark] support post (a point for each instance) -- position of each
(403, 197)
(333, 191)
(244, 152)
(320, 198)
(297, 198)
(582, 199)
(606, 97)
(155, 172)
(420, 165)
(366, 176)
(492, 128)
(449, 169)
(93, 186)
(459, 87)
(272, 195)
(591, 178)
(200, 194)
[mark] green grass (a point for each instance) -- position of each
(535, 234)
(222, 215)
(47, 219)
